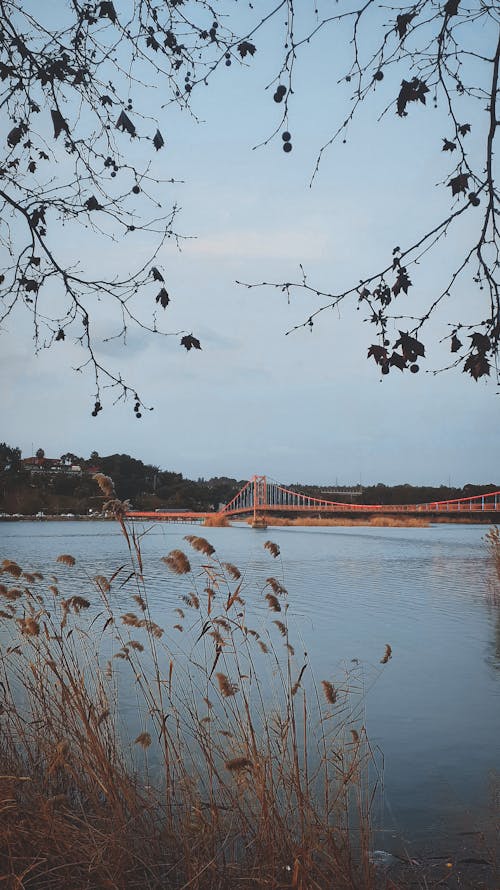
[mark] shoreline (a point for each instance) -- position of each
(76, 518)
(376, 521)
(371, 521)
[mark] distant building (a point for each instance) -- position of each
(41, 463)
(48, 465)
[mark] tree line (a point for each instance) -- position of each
(402, 494)
(148, 487)
(145, 485)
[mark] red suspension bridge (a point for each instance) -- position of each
(262, 497)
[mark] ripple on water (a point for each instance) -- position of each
(433, 709)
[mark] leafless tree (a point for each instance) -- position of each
(444, 54)
(69, 75)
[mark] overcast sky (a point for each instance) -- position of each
(306, 407)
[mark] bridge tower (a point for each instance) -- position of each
(259, 494)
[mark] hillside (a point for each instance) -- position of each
(56, 485)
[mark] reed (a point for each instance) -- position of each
(243, 775)
(373, 521)
(492, 541)
(216, 520)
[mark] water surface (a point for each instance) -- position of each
(433, 710)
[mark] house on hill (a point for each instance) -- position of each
(41, 464)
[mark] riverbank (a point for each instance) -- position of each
(70, 517)
(220, 521)
(370, 521)
(462, 863)
(379, 521)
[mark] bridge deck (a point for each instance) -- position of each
(168, 516)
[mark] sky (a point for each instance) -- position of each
(307, 407)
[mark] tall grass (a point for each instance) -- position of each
(492, 541)
(216, 520)
(373, 521)
(237, 776)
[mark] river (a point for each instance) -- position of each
(433, 709)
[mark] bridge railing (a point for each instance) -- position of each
(273, 497)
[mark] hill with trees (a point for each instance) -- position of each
(65, 485)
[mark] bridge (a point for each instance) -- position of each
(262, 497)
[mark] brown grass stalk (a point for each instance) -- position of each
(218, 785)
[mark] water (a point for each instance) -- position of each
(433, 710)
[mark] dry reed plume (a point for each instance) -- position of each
(102, 583)
(276, 586)
(11, 568)
(329, 691)
(226, 687)
(105, 483)
(387, 654)
(200, 544)
(177, 562)
(232, 570)
(67, 559)
(273, 602)
(215, 788)
(273, 548)
(281, 627)
(238, 763)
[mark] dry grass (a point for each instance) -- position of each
(403, 522)
(216, 520)
(492, 541)
(373, 521)
(242, 794)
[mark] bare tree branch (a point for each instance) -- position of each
(73, 82)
